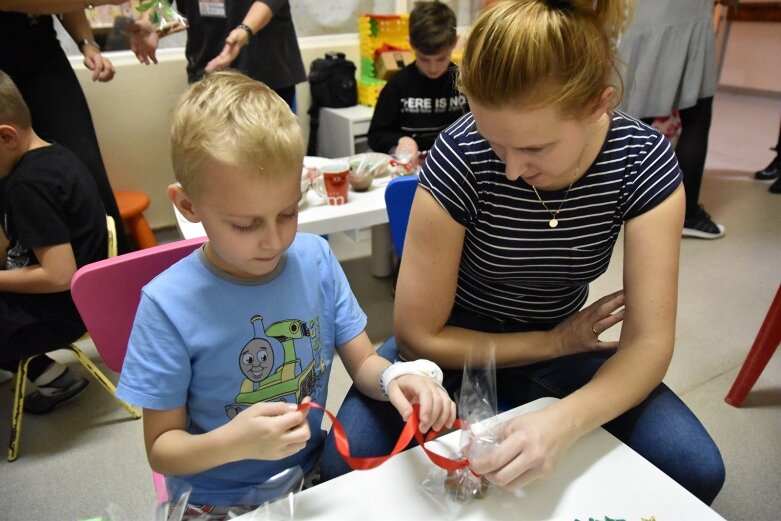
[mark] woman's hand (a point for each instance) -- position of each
(237, 39)
(101, 67)
(437, 410)
(267, 431)
(580, 332)
(143, 41)
(530, 451)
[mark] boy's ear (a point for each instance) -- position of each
(9, 136)
(183, 202)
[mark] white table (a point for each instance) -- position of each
(362, 210)
(599, 476)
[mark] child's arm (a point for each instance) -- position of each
(385, 127)
(265, 431)
(365, 367)
(52, 275)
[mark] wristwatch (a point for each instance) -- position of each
(87, 41)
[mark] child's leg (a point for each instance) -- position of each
(27, 330)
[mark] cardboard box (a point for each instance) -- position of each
(389, 63)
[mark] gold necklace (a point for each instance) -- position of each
(553, 221)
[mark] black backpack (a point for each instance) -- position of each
(331, 84)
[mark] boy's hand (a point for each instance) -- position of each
(268, 431)
(437, 410)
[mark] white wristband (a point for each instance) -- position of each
(420, 367)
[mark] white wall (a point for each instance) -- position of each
(753, 56)
(132, 116)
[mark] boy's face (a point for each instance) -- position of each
(433, 66)
(250, 220)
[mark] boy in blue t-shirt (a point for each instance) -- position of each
(227, 342)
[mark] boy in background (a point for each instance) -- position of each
(420, 100)
(229, 341)
(55, 223)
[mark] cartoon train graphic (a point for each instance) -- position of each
(257, 359)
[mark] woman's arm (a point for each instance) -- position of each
(258, 17)
(426, 290)
(79, 29)
(53, 274)
(652, 244)
(52, 6)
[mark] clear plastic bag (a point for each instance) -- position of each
(366, 167)
(161, 14)
(476, 403)
(276, 498)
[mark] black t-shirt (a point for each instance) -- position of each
(50, 199)
(413, 105)
(272, 55)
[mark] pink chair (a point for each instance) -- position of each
(107, 294)
(765, 344)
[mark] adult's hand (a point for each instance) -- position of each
(530, 450)
(233, 44)
(101, 67)
(580, 332)
(143, 41)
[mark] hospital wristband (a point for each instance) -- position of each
(419, 367)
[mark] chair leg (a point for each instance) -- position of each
(141, 232)
(18, 408)
(765, 344)
(103, 380)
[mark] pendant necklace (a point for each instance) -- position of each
(553, 220)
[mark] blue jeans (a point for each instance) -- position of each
(662, 429)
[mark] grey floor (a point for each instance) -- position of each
(87, 457)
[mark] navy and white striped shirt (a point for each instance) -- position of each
(514, 267)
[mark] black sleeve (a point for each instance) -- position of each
(385, 127)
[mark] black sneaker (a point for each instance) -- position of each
(38, 402)
(768, 173)
(775, 188)
(701, 226)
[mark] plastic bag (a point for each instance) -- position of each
(276, 498)
(476, 403)
(161, 14)
(364, 168)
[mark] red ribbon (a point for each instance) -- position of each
(410, 430)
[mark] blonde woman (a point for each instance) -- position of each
(519, 207)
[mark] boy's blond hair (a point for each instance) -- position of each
(533, 53)
(237, 121)
(13, 109)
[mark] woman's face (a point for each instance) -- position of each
(537, 145)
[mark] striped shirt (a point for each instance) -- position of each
(514, 266)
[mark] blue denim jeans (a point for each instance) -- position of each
(662, 429)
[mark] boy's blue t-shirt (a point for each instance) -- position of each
(215, 344)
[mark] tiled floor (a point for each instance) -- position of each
(86, 456)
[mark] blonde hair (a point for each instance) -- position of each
(237, 121)
(13, 109)
(533, 53)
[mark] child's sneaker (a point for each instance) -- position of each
(701, 226)
(58, 391)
